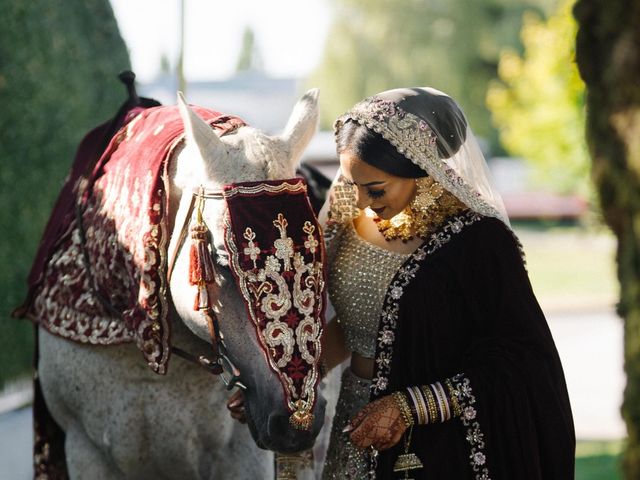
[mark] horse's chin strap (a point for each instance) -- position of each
(202, 274)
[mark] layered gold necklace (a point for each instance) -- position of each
(430, 207)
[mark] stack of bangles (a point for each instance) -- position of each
(433, 403)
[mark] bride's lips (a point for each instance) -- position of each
(378, 211)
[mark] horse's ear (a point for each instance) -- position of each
(200, 135)
(302, 124)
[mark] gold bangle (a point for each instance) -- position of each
(401, 402)
(421, 405)
(431, 404)
(414, 401)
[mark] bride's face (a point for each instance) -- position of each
(385, 194)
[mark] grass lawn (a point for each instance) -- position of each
(598, 460)
(571, 267)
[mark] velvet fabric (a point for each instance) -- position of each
(469, 309)
(123, 204)
(277, 258)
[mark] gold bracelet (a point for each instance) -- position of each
(403, 405)
(414, 401)
(421, 408)
(431, 404)
(453, 397)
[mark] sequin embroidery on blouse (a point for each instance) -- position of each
(359, 277)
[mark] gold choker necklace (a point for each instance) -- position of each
(430, 207)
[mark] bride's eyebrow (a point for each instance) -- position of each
(368, 184)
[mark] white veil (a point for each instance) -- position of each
(408, 118)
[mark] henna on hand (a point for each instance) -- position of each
(379, 423)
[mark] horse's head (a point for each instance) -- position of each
(211, 161)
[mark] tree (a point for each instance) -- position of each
(608, 56)
(452, 45)
(538, 105)
(249, 58)
(59, 62)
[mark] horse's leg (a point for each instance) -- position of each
(84, 460)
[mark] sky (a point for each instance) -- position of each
(290, 35)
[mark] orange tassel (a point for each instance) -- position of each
(201, 268)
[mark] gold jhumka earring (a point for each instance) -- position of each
(416, 220)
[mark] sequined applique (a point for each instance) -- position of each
(474, 436)
(359, 276)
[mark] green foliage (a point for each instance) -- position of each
(539, 104)
(249, 58)
(59, 62)
(452, 45)
(598, 460)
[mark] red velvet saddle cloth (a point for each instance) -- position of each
(124, 205)
(277, 256)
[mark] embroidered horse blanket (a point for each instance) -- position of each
(105, 281)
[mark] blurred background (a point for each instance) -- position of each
(509, 63)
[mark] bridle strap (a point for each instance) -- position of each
(174, 246)
(220, 361)
(185, 212)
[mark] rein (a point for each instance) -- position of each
(220, 364)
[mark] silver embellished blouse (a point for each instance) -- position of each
(359, 275)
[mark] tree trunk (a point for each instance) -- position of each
(608, 56)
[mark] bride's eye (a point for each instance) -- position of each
(375, 193)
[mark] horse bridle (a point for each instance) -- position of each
(220, 365)
(220, 361)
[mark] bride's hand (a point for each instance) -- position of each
(378, 424)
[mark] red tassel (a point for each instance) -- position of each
(201, 267)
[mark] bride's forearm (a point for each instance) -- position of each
(334, 350)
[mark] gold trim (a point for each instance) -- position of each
(298, 187)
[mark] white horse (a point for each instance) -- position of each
(121, 420)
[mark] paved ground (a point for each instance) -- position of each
(590, 345)
(15, 445)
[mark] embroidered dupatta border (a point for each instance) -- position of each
(389, 324)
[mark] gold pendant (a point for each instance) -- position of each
(406, 462)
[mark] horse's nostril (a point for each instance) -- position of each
(284, 437)
(278, 425)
